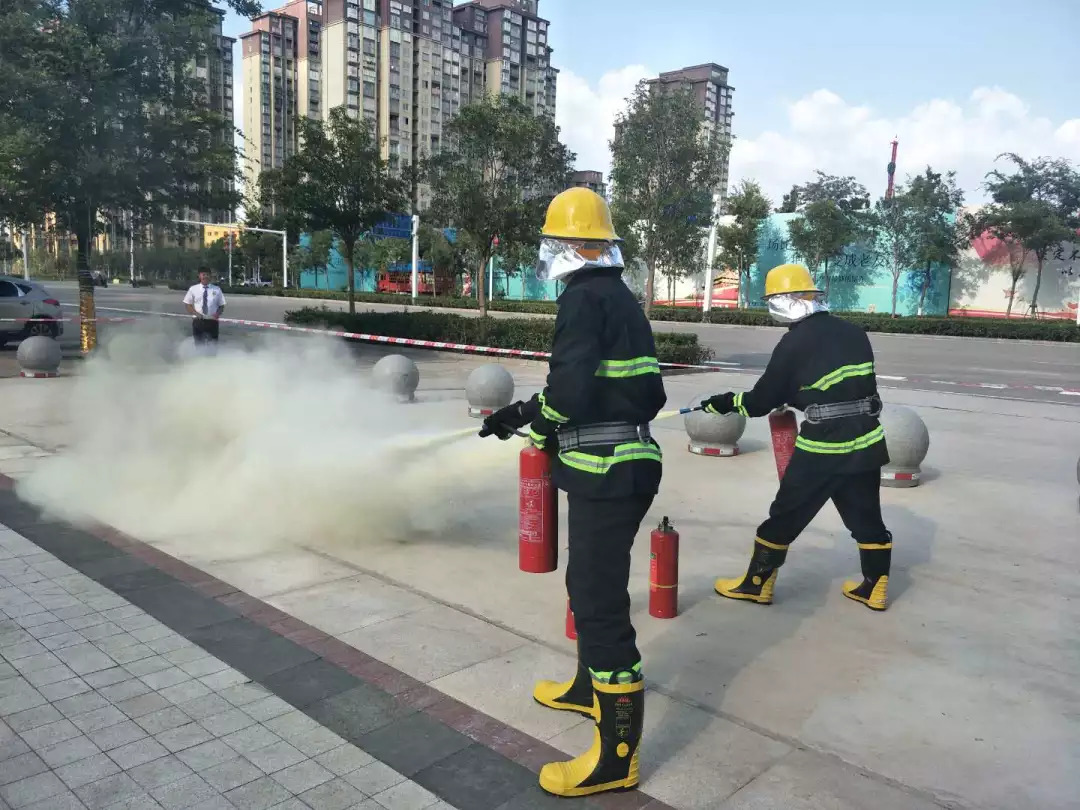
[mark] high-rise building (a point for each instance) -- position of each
(407, 66)
(709, 84)
(592, 180)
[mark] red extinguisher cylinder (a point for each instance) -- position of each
(664, 571)
(784, 430)
(538, 513)
(571, 630)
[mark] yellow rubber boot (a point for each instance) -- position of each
(758, 583)
(568, 696)
(873, 591)
(611, 763)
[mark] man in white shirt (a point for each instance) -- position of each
(206, 302)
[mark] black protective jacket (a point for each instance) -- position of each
(822, 359)
(603, 368)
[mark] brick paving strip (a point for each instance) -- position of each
(284, 715)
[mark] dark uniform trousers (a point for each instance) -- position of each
(204, 330)
(602, 533)
(804, 490)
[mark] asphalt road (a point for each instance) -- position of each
(1047, 372)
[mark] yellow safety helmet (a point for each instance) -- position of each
(579, 214)
(789, 278)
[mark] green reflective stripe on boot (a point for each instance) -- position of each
(629, 675)
(599, 465)
(618, 369)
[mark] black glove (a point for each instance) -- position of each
(719, 404)
(504, 422)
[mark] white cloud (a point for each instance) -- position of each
(586, 115)
(824, 131)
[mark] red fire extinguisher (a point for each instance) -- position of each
(664, 571)
(571, 629)
(784, 430)
(538, 513)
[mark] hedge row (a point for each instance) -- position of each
(530, 334)
(1063, 331)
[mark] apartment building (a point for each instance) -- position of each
(407, 66)
(592, 180)
(709, 84)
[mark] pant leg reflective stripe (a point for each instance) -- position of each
(550, 413)
(739, 405)
(841, 374)
(628, 368)
(835, 448)
(875, 546)
(632, 451)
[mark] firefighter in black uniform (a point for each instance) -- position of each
(823, 366)
(603, 389)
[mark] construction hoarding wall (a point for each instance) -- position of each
(861, 279)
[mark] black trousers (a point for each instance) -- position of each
(602, 532)
(204, 329)
(804, 491)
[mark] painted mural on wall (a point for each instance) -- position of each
(861, 279)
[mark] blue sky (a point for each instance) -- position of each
(870, 66)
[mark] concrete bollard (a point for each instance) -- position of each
(489, 388)
(908, 441)
(39, 356)
(397, 375)
(714, 435)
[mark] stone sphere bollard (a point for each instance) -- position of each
(39, 356)
(489, 388)
(714, 435)
(397, 375)
(908, 441)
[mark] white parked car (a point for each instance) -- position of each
(26, 309)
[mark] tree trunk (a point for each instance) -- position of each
(922, 293)
(1012, 295)
(827, 281)
(350, 282)
(87, 316)
(1039, 259)
(650, 286)
(480, 281)
(895, 285)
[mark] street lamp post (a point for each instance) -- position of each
(415, 256)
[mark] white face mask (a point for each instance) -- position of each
(793, 307)
(559, 260)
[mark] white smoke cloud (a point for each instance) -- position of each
(249, 450)
(825, 131)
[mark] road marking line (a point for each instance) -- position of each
(720, 363)
(1070, 393)
(998, 386)
(894, 379)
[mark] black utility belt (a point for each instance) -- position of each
(599, 434)
(823, 412)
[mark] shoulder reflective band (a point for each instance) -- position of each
(632, 451)
(841, 374)
(739, 406)
(837, 448)
(550, 413)
(628, 368)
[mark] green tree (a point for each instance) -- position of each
(103, 112)
(894, 228)
(664, 172)
(1034, 210)
(505, 166)
(935, 201)
(338, 181)
(446, 258)
(833, 217)
(739, 240)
